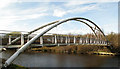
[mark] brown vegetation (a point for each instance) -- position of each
(114, 40)
(72, 49)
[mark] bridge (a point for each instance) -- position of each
(52, 40)
(41, 40)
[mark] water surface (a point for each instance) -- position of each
(37, 59)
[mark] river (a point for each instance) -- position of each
(37, 59)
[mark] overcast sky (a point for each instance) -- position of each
(27, 15)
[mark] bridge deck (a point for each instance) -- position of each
(48, 45)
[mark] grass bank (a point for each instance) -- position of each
(72, 49)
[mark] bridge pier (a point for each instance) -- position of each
(41, 40)
(74, 39)
(9, 39)
(22, 39)
(86, 40)
(61, 39)
(66, 41)
(55, 39)
(94, 41)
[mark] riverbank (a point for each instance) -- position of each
(76, 49)
(12, 66)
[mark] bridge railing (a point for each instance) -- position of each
(54, 39)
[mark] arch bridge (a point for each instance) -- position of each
(100, 37)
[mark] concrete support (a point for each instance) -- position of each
(94, 41)
(10, 39)
(86, 40)
(41, 40)
(55, 39)
(61, 39)
(58, 44)
(74, 39)
(66, 41)
(22, 39)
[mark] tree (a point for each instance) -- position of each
(114, 40)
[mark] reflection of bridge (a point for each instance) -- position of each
(67, 40)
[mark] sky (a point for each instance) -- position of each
(27, 15)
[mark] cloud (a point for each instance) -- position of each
(6, 3)
(59, 13)
(75, 3)
(14, 18)
(33, 10)
(81, 2)
(83, 9)
(10, 17)
(9, 22)
(74, 7)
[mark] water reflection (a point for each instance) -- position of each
(33, 59)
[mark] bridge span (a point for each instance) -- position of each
(56, 40)
(53, 40)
